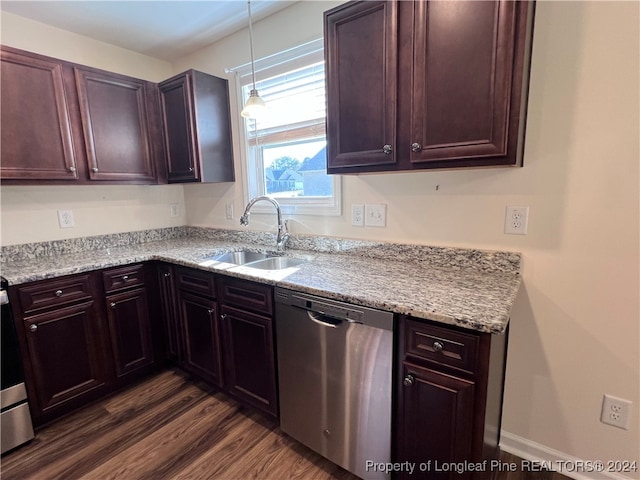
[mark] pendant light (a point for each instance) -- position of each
(255, 106)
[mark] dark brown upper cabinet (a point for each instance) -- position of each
(64, 123)
(36, 135)
(115, 126)
(197, 128)
(426, 84)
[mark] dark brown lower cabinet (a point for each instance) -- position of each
(249, 358)
(450, 384)
(201, 334)
(67, 357)
(130, 331)
(84, 335)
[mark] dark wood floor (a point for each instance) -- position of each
(172, 427)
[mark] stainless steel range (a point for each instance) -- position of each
(334, 370)
(16, 427)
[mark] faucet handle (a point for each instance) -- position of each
(244, 219)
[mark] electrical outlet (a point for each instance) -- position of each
(228, 208)
(615, 411)
(357, 215)
(375, 215)
(516, 220)
(65, 219)
(174, 210)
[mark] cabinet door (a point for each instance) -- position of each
(435, 421)
(250, 358)
(463, 81)
(66, 356)
(176, 98)
(169, 312)
(201, 334)
(116, 130)
(130, 331)
(361, 69)
(37, 141)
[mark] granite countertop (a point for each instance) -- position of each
(472, 289)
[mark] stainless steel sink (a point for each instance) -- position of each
(276, 263)
(237, 258)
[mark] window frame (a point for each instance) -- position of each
(252, 168)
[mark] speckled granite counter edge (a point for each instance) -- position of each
(450, 257)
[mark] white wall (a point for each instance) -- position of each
(574, 332)
(575, 327)
(29, 214)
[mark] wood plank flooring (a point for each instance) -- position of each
(171, 426)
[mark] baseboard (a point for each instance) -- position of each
(556, 460)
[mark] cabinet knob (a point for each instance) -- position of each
(210, 311)
(387, 149)
(113, 305)
(94, 169)
(438, 346)
(58, 293)
(416, 147)
(223, 316)
(72, 168)
(408, 380)
(125, 277)
(168, 274)
(191, 169)
(33, 327)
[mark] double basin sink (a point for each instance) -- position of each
(261, 261)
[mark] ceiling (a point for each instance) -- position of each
(162, 29)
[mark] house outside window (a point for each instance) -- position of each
(286, 148)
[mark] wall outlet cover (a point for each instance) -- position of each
(357, 215)
(516, 220)
(65, 219)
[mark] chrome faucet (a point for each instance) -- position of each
(283, 235)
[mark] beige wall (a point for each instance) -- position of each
(575, 327)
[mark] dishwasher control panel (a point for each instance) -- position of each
(335, 309)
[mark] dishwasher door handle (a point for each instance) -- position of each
(324, 320)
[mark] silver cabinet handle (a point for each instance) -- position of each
(223, 316)
(168, 274)
(438, 346)
(72, 168)
(416, 147)
(94, 169)
(210, 311)
(125, 277)
(387, 149)
(113, 305)
(408, 380)
(33, 327)
(58, 293)
(191, 169)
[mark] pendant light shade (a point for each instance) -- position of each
(255, 106)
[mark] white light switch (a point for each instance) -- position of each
(375, 215)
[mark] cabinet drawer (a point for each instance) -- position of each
(53, 293)
(442, 346)
(123, 277)
(246, 295)
(196, 281)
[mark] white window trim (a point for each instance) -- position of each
(266, 67)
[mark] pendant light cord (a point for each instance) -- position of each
(253, 70)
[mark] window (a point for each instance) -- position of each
(286, 150)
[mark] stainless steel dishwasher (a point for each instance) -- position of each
(334, 369)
